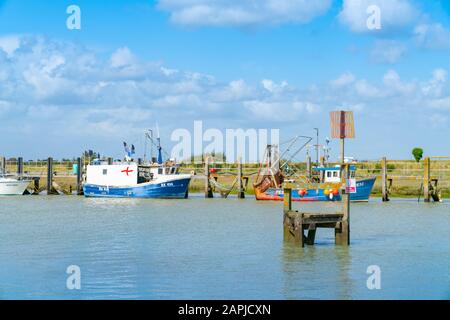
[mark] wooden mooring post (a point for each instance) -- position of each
(50, 188)
(295, 223)
(241, 191)
(426, 179)
(384, 180)
(2, 165)
(20, 166)
(208, 189)
(79, 177)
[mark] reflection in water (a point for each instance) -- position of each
(316, 272)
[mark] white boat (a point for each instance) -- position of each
(133, 180)
(12, 185)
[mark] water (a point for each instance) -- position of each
(216, 249)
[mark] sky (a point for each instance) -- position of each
(281, 64)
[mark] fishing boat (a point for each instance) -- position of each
(268, 185)
(13, 185)
(131, 179)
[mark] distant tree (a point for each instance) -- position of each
(417, 153)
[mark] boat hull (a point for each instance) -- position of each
(170, 189)
(363, 190)
(11, 187)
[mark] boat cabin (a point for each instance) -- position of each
(126, 173)
(333, 174)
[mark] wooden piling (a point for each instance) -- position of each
(208, 189)
(36, 185)
(384, 180)
(79, 177)
(241, 192)
(426, 179)
(342, 229)
(2, 165)
(20, 166)
(50, 189)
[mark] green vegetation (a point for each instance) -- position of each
(417, 153)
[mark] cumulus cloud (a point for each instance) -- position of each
(432, 36)
(122, 57)
(395, 14)
(75, 92)
(343, 80)
(69, 91)
(242, 13)
(387, 52)
(9, 44)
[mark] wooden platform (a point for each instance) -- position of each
(295, 223)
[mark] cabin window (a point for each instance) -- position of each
(335, 174)
(328, 174)
(160, 171)
(105, 172)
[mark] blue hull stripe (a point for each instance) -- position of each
(173, 189)
(363, 191)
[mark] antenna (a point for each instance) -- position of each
(159, 145)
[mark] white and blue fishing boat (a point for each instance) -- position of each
(133, 180)
(268, 185)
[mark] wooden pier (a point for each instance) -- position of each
(295, 222)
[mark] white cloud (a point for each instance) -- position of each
(281, 111)
(273, 87)
(442, 104)
(394, 84)
(387, 51)
(366, 90)
(242, 13)
(344, 80)
(432, 36)
(68, 87)
(435, 86)
(395, 14)
(9, 44)
(122, 57)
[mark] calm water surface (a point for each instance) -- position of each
(216, 249)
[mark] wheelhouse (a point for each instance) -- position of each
(333, 174)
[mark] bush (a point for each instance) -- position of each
(417, 153)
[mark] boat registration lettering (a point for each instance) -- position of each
(167, 184)
(103, 189)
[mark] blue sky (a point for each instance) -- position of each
(233, 64)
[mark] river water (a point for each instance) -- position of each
(216, 249)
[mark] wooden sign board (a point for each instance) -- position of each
(342, 125)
